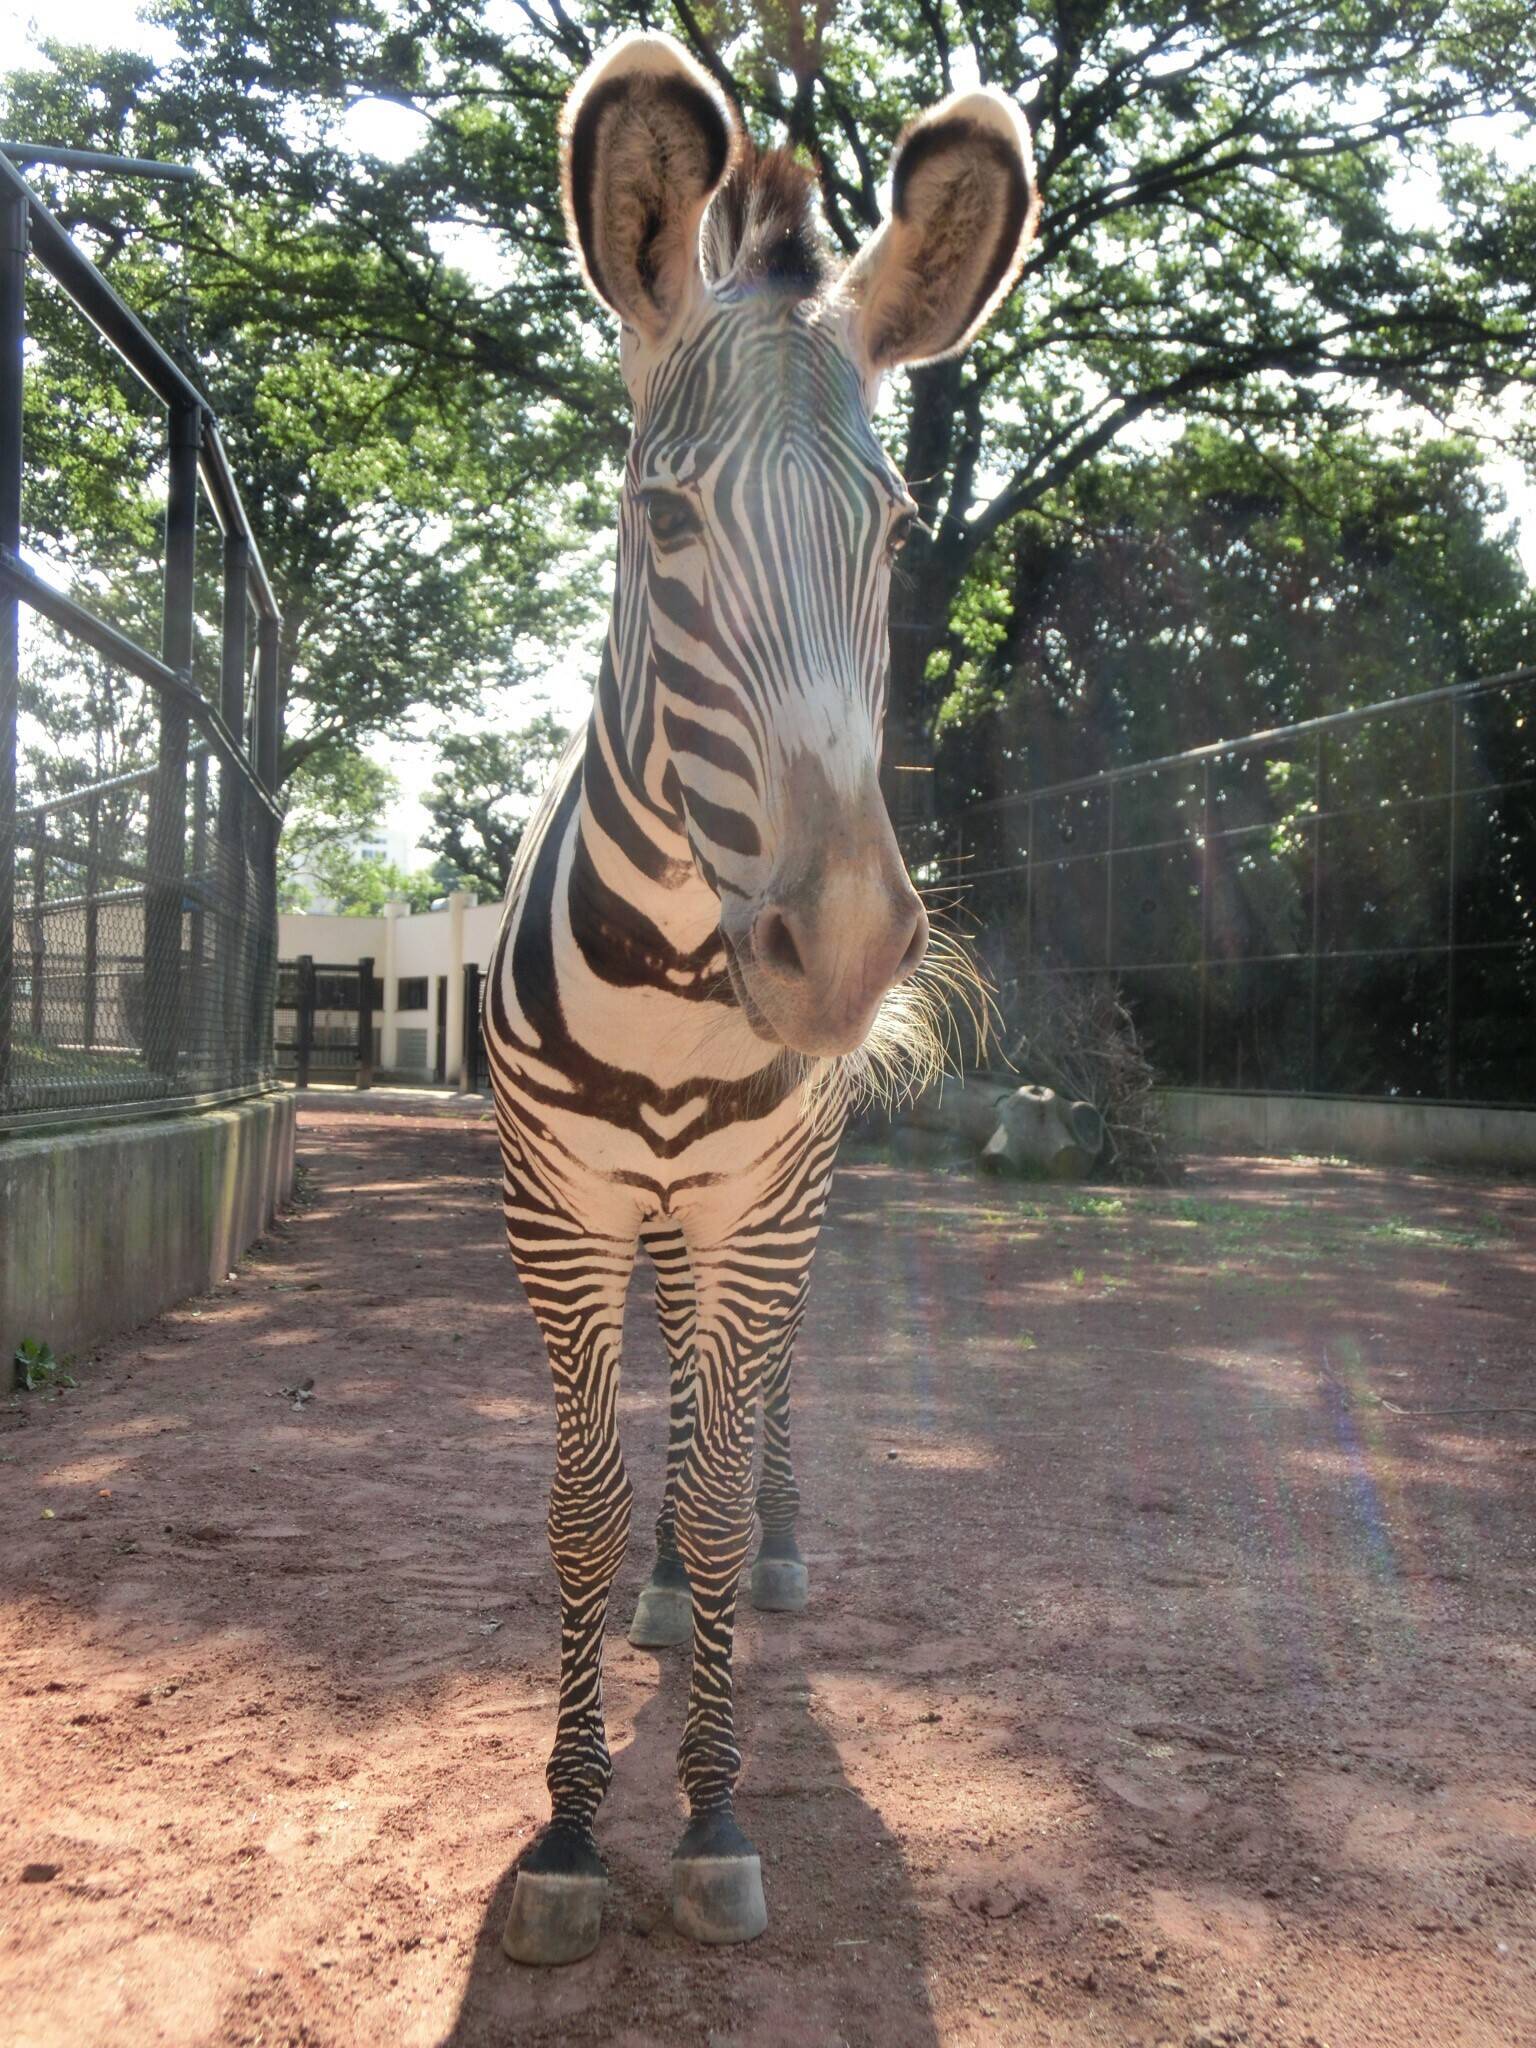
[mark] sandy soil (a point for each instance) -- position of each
(1168, 1678)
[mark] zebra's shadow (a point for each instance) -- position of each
(843, 1959)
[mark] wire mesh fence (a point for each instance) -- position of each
(101, 1017)
(138, 910)
(1346, 906)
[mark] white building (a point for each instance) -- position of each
(420, 961)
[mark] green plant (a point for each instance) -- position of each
(37, 1370)
(1403, 1230)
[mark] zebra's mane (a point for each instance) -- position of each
(761, 227)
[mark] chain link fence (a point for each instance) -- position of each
(99, 1018)
(138, 912)
(1341, 907)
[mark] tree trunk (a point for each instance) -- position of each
(922, 591)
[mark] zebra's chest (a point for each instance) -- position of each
(637, 1075)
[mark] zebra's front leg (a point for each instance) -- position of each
(780, 1583)
(717, 1886)
(556, 1914)
(664, 1611)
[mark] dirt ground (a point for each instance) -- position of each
(1168, 1677)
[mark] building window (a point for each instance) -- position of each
(413, 993)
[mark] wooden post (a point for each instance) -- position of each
(304, 1035)
(365, 1022)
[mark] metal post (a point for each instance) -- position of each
(266, 741)
(470, 1080)
(1205, 925)
(166, 849)
(265, 752)
(304, 1031)
(1314, 989)
(1029, 889)
(39, 892)
(234, 1062)
(1452, 1063)
(13, 284)
(1109, 882)
(365, 1022)
(92, 914)
(198, 1021)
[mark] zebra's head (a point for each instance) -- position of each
(745, 686)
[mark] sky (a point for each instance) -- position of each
(384, 129)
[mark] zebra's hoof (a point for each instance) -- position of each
(780, 1585)
(557, 1902)
(554, 1918)
(717, 1884)
(663, 1616)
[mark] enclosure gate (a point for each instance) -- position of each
(138, 915)
(323, 1019)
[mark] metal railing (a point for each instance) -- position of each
(138, 914)
(1343, 906)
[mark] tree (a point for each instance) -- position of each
(334, 806)
(415, 551)
(484, 793)
(1268, 215)
(1221, 587)
(352, 881)
(359, 884)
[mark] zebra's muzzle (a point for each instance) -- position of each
(811, 975)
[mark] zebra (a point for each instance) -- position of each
(709, 926)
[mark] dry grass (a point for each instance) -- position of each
(1072, 1032)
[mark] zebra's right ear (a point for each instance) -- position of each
(645, 139)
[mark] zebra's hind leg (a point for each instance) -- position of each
(780, 1583)
(557, 1902)
(664, 1611)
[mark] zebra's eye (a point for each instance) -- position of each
(670, 516)
(901, 533)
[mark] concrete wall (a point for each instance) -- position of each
(103, 1228)
(404, 947)
(1352, 1127)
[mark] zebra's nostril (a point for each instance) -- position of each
(916, 946)
(774, 944)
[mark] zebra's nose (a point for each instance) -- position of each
(841, 964)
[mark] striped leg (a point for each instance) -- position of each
(576, 1287)
(663, 1612)
(744, 1301)
(779, 1580)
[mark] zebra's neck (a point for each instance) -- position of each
(641, 928)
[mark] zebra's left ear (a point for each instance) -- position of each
(963, 209)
